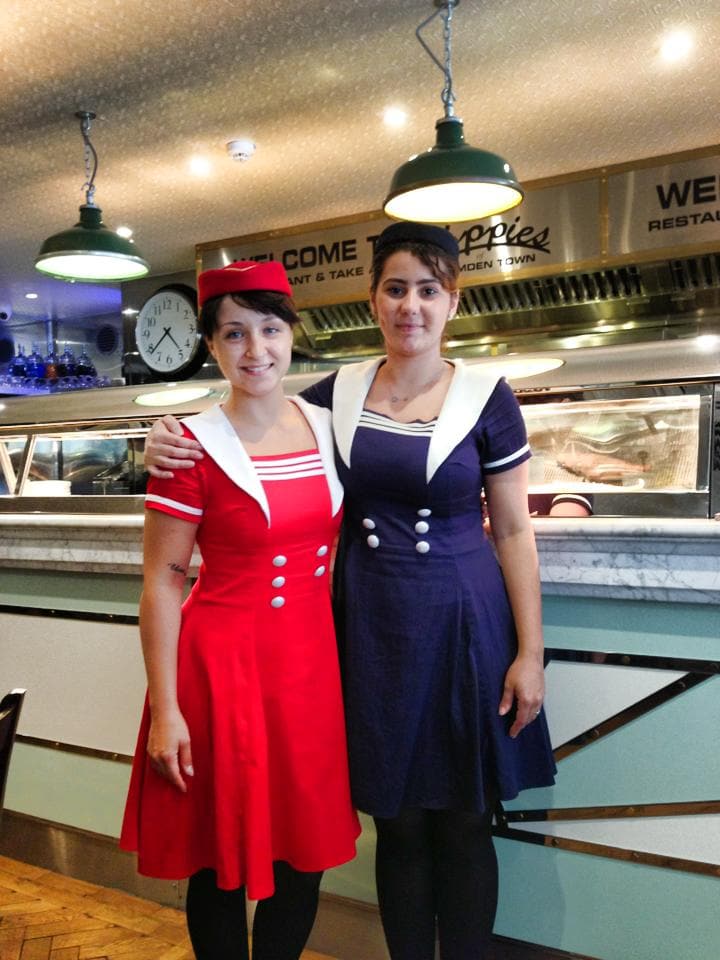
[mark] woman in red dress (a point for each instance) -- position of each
(240, 777)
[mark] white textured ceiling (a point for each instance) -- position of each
(554, 85)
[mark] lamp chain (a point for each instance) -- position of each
(445, 9)
(90, 157)
(448, 97)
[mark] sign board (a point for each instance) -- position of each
(554, 226)
(664, 206)
(558, 227)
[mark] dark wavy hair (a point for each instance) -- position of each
(267, 302)
(443, 266)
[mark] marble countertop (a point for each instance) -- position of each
(627, 558)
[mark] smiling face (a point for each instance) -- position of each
(252, 349)
(411, 305)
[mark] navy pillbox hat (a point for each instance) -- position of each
(406, 231)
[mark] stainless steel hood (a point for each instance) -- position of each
(669, 299)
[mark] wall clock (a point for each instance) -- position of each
(167, 333)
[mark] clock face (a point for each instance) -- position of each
(167, 333)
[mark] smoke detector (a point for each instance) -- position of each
(241, 149)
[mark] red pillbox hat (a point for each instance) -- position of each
(241, 276)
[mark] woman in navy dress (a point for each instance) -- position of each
(441, 636)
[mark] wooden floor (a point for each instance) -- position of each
(46, 916)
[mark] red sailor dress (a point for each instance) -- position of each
(258, 676)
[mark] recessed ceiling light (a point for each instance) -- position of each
(130, 312)
(200, 166)
(124, 232)
(172, 397)
(676, 46)
(394, 117)
(31, 296)
(518, 367)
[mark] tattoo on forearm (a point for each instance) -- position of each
(177, 568)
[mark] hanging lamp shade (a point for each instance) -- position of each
(452, 181)
(90, 251)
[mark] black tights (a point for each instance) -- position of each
(436, 867)
(218, 926)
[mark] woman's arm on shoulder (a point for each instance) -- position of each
(167, 448)
(168, 546)
(507, 503)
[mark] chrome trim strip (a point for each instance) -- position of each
(75, 748)
(613, 853)
(681, 808)
(633, 660)
(92, 615)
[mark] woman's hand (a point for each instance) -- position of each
(525, 685)
(167, 449)
(169, 748)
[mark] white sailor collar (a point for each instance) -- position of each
(219, 440)
(469, 391)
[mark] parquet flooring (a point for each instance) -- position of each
(46, 916)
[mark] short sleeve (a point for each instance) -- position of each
(182, 496)
(504, 442)
(321, 393)
(583, 499)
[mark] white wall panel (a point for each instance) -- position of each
(85, 679)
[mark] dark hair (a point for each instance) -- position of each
(267, 302)
(443, 266)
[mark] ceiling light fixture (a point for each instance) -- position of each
(451, 181)
(89, 250)
(394, 117)
(676, 46)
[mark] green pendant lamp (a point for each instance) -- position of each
(452, 181)
(90, 251)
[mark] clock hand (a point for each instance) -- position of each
(172, 338)
(166, 334)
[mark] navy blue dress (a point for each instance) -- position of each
(425, 624)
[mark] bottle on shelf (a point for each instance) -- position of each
(66, 363)
(35, 365)
(17, 367)
(84, 366)
(51, 372)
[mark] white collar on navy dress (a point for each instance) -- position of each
(469, 391)
(219, 440)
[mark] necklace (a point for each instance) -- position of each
(396, 398)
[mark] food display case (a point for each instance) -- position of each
(637, 427)
(636, 451)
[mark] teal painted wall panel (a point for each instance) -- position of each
(606, 908)
(356, 879)
(87, 592)
(632, 626)
(67, 788)
(667, 755)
